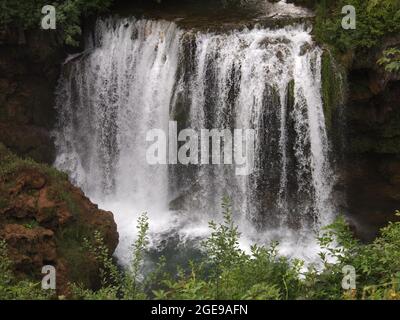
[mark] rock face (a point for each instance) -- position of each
(44, 220)
(29, 69)
(372, 173)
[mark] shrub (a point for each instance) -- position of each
(116, 284)
(377, 264)
(390, 60)
(227, 272)
(27, 15)
(375, 20)
(11, 288)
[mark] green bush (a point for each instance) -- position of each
(390, 60)
(115, 283)
(375, 19)
(227, 272)
(27, 15)
(377, 264)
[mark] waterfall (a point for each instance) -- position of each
(137, 75)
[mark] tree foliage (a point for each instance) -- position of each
(228, 272)
(27, 15)
(390, 60)
(375, 19)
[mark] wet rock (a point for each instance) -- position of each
(307, 47)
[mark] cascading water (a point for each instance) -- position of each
(138, 75)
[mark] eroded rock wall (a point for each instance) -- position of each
(29, 69)
(372, 169)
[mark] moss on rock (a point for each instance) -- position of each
(332, 84)
(44, 220)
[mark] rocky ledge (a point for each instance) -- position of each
(44, 220)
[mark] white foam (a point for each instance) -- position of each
(132, 81)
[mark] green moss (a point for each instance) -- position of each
(71, 204)
(290, 95)
(332, 84)
(31, 224)
(327, 88)
(59, 192)
(11, 165)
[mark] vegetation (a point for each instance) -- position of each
(27, 15)
(227, 272)
(391, 60)
(375, 19)
(114, 283)
(333, 84)
(10, 165)
(68, 237)
(12, 288)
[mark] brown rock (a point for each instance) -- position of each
(29, 249)
(34, 180)
(45, 220)
(44, 202)
(64, 216)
